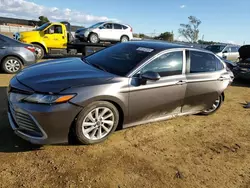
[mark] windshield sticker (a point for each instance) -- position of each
(145, 49)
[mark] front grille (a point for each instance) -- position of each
(25, 123)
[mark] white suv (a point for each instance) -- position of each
(105, 31)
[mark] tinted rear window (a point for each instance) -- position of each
(121, 58)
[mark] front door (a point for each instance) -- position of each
(105, 33)
(206, 80)
(55, 37)
(157, 99)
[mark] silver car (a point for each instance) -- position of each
(228, 52)
(14, 55)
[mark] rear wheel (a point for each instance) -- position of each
(96, 122)
(11, 65)
(124, 39)
(216, 105)
(93, 38)
(39, 51)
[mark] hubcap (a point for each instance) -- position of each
(12, 65)
(124, 39)
(98, 123)
(214, 106)
(94, 39)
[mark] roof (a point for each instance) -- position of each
(161, 45)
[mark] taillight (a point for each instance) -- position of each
(131, 30)
(31, 48)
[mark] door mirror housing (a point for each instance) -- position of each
(101, 27)
(150, 75)
(225, 52)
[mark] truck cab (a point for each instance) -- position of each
(46, 38)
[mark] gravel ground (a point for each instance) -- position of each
(191, 151)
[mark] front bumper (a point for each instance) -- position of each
(81, 37)
(41, 124)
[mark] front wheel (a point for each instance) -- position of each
(96, 122)
(216, 105)
(93, 38)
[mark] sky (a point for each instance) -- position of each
(222, 20)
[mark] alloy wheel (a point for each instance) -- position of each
(215, 105)
(98, 123)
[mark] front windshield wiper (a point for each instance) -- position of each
(93, 64)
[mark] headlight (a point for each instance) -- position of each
(48, 99)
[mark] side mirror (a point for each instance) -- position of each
(150, 75)
(225, 52)
(101, 27)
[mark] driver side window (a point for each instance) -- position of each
(57, 29)
(107, 26)
(168, 64)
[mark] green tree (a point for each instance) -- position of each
(191, 30)
(167, 36)
(42, 20)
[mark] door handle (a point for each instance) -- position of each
(222, 78)
(45, 37)
(181, 82)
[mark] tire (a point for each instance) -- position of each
(39, 51)
(12, 65)
(93, 38)
(212, 110)
(124, 38)
(89, 134)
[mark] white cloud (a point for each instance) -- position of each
(30, 10)
(182, 6)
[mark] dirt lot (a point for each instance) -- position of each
(192, 151)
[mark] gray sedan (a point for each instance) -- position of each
(123, 85)
(14, 55)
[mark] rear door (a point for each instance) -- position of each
(234, 54)
(206, 77)
(118, 31)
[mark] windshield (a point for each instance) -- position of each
(42, 27)
(96, 25)
(119, 59)
(216, 48)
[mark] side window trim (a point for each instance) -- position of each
(134, 73)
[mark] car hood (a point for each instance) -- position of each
(57, 75)
(81, 30)
(244, 52)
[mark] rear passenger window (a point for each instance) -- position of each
(168, 64)
(124, 27)
(204, 62)
(117, 26)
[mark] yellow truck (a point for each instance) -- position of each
(55, 38)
